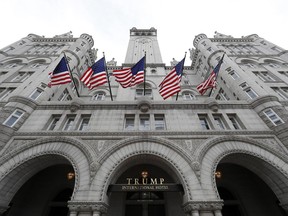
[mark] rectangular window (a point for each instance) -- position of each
(144, 123)
(235, 121)
(282, 92)
(21, 77)
(159, 121)
(129, 122)
(140, 92)
(250, 92)
(204, 122)
(13, 118)
(65, 96)
(273, 117)
(5, 92)
(219, 122)
(53, 122)
(234, 75)
(84, 122)
(69, 123)
(244, 85)
(36, 93)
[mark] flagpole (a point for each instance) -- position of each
(181, 76)
(144, 73)
(108, 78)
(216, 74)
(71, 74)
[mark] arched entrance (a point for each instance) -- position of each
(46, 193)
(245, 191)
(145, 188)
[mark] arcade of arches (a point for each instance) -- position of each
(245, 185)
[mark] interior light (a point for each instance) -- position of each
(218, 174)
(70, 175)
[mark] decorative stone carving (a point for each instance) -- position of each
(196, 166)
(212, 104)
(203, 205)
(144, 104)
(94, 167)
(80, 206)
(74, 106)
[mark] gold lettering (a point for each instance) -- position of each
(144, 181)
(153, 181)
(136, 181)
(129, 180)
(161, 180)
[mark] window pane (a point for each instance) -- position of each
(219, 122)
(69, 123)
(13, 118)
(53, 123)
(129, 122)
(11, 121)
(159, 122)
(84, 123)
(204, 123)
(36, 94)
(144, 122)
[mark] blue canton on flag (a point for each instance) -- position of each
(61, 74)
(128, 77)
(171, 83)
(95, 75)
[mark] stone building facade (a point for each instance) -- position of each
(68, 150)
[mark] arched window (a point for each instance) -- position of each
(140, 90)
(187, 95)
(99, 95)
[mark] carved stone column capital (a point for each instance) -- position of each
(87, 206)
(203, 205)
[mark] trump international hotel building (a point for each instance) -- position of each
(68, 150)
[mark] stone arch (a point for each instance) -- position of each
(118, 157)
(262, 161)
(19, 165)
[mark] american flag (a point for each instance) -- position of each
(95, 75)
(171, 83)
(128, 77)
(61, 74)
(210, 82)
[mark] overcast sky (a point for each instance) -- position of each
(177, 22)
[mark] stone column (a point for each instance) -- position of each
(194, 213)
(96, 213)
(73, 213)
(218, 212)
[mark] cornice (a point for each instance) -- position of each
(54, 39)
(263, 99)
(24, 100)
(231, 39)
(123, 134)
(165, 105)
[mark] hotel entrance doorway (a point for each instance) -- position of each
(145, 190)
